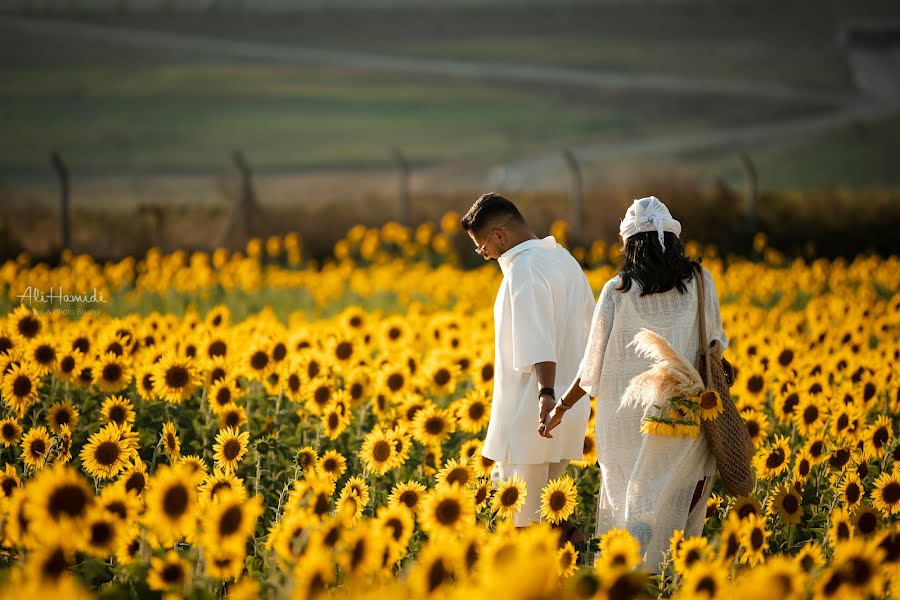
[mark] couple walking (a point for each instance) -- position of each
(548, 332)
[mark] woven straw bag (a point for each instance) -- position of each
(727, 435)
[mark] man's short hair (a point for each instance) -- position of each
(490, 207)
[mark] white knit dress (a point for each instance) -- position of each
(648, 481)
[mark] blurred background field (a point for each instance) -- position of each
(146, 101)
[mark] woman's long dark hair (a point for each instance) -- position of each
(654, 270)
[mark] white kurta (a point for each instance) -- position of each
(648, 481)
(542, 313)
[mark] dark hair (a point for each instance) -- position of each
(486, 208)
(654, 270)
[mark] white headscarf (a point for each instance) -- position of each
(648, 214)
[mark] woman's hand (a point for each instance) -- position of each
(553, 419)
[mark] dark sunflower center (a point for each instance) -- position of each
(460, 476)
(176, 377)
(67, 364)
(394, 333)
(867, 523)
(8, 431)
(434, 425)
(117, 508)
(217, 348)
(55, 564)
(853, 493)
(395, 381)
(448, 511)
(509, 496)
(38, 447)
(755, 384)
(843, 531)
(175, 501)
(9, 484)
(790, 403)
(842, 422)
(117, 414)
(557, 501)
(259, 360)
(409, 498)
(476, 411)
(708, 401)
(293, 382)
(442, 377)
(786, 357)
(334, 420)
(487, 372)
(381, 451)
(880, 437)
(753, 428)
(708, 585)
(44, 354)
(839, 458)
(891, 493)
(69, 500)
(746, 510)
(810, 415)
(22, 386)
(437, 575)
(29, 327)
(322, 395)
(135, 482)
(775, 459)
(107, 453)
(112, 372)
(231, 449)
(101, 533)
(172, 574)
(230, 521)
(343, 351)
(790, 504)
(859, 570)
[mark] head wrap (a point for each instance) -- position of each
(648, 214)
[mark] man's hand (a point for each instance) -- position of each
(553, 419)
(547, 404)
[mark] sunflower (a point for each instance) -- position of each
(335, 420)
(395, 332)
(378, 452)
(36, 447)
(474, 412)
(318, 393)
(433, 572)
(134, 477)
(25, 325)
(20, 387)
(257, 360)
(230, 520)
(349, 506)
(710, 405)
(62, 413)
(394, 379)
(59, 497)
(64, 444)
(307, 457)
(567, 560)
(68, 365)
(691, 551)
(786, 404)
(43, 354)
(446, 510)
(705, 580)
(105, 455)
(195, 464)
(111, 373)
(9, 481)
(168, 574)
(171, 503)
(174, 378)
(858, 563)
(356, 384)
(230, 448)
(558, 499)
(226, 564)
(332, 465)
(287, 536)
(618, 550)
(808, 416)
(219, 483)
(402, 441)
(233, 416)
(409, 494)
(877, 437)
(886, 494)
(118, 410)
(481, 492)
(222, 394)
(850, 490)
(439, 375)
(120, 503)
(144, 383)
(810, 557)
(745, 506)
(840, 527)
(10, 432)
(455, 472)
(712, 505)
(312, 574)
(786, 503)
(803, 465)
(432, 425)
(104, 533)
(171, 442)
(838, 458)
(510, 497)
(772, 461)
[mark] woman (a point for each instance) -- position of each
(652, 485)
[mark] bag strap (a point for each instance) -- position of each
(704, 343)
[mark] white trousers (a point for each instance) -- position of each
(535, 478)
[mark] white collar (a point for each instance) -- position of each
(507, 257)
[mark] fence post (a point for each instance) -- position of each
(247, 198)
(404, 208)
(751, 179)
(62, 172)
(241, 223)
(576, 198)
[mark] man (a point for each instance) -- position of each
(542, 318)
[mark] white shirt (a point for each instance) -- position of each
(542, 313)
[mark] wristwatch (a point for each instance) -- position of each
(547, 392)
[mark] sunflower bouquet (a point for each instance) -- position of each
(684, 415)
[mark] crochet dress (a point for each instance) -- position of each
(648, 480)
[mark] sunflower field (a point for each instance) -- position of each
(258, 425)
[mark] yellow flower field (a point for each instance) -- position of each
(254, 424)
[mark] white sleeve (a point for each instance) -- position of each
(533, 327)
(714, 329)
(601, 325)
